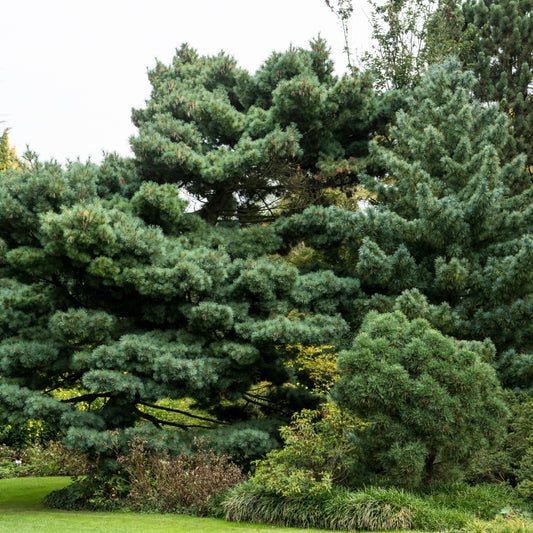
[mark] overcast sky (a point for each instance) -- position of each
(72, 70)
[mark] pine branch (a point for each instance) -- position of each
(179, 411)
(87, 397)
(158, 422)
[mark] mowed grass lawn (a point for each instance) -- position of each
(21, 510)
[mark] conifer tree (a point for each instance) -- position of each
(498, 48)
(238, 142)
(115, 303)
(430, 401)
(446, 239)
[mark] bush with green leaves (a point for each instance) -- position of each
(430, 400)
(315, 455)
(51, 459)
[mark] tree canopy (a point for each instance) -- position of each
(447, 239)
(126, 311)
(238, 143)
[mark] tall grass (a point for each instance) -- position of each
(456, 508)
(337, 509)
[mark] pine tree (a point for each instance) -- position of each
(430, 401)
(116, 303)
(238, 143)
(446, 239)
(498, 36)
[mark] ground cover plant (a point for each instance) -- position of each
(486, 508)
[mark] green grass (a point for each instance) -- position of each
(21, 511)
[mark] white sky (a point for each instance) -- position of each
(72, 70)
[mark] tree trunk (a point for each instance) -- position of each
(430, 469)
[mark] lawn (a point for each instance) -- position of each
(21, 510)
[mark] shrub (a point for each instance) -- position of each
(520, 445)
(484, 501)
(186, 483)
(52, 459)
(431, 401)
(28, 433)
(315, 455)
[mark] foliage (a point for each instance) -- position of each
(512, 461)
(315, 454)
(445, 238)
(186, 483)
(336, 509)
(154, 482)
(115, 295)
(315, 366)
(445, 507)
(519, 445)
(343, 10)
(499, 50)
(52, 459)
(430, 400)
(27, 433)
(244, 145)
(8, 157)
(409, 36)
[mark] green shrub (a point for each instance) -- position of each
(28, 433)
(431, 401)
(482, 501)
(52, 459)
(74, 497)
(513, 461)
(315, 455)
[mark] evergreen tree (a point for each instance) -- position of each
(430, 401)
(115, 300)
(498, 36)
(446, 239)
(238, 143)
